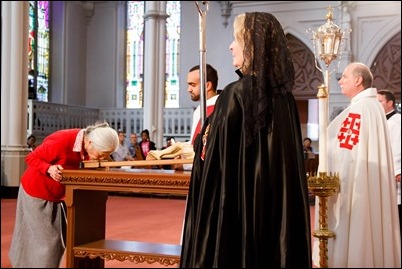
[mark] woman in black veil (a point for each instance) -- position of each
(248, 199)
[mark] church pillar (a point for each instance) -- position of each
(14, 91)
(154, 69)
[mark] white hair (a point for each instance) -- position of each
(103, 137)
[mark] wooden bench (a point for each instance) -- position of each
(133, 251)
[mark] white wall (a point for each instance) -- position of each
(103, 53)
(68, 58)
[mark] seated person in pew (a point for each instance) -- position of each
(146, 144)
(134, 147)
(122, 152)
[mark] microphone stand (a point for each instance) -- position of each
(203, 64)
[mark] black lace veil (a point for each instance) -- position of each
(269, 64)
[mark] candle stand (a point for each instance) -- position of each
(323, 186)
(327, 40)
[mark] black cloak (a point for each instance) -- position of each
(248, 200)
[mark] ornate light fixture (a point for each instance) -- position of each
(327, 41)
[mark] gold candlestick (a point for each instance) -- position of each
(323, 186)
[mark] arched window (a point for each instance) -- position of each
(172, 54)
(38, 50)
(135, 54)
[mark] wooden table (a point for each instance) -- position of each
(86, 196)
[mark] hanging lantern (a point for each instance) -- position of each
(327, 39)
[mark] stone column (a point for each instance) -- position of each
(154, 69)
(14, 91)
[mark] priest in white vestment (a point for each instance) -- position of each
(364, 213)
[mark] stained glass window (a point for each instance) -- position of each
(38, 50)
(172, 54)
(135, 54)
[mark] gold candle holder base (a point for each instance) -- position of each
(323, 186)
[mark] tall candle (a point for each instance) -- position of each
(323, 93)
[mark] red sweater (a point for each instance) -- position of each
(57, 148)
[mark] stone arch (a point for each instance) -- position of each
(308, 77)
(374, 45)
(386, 66)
